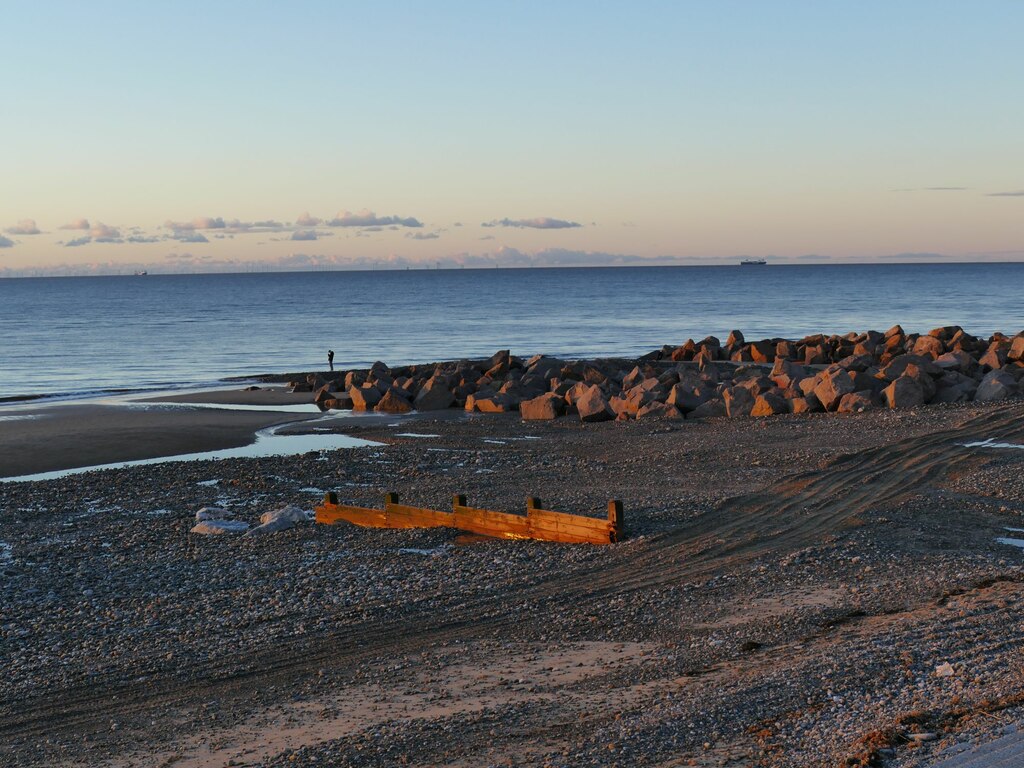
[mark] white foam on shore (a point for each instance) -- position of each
(21, 417)
(268, 444)
(990, 443)
(1019, 543)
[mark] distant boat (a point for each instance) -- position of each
(141, 273)
(753, 262)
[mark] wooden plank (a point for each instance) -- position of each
(404, 516)
(538, 523)
(335, 513)
(546, 517)
(491, 523)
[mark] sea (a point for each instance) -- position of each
(73, 337)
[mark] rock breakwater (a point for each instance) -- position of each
(849, 373)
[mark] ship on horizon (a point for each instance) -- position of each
(753, 262)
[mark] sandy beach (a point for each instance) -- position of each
(828, 591)
(54, 437)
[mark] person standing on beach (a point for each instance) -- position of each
(330, 358)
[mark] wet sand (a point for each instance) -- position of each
(67, 436)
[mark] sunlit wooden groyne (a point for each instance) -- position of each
(538, 523)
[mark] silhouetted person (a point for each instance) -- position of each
(330, 358)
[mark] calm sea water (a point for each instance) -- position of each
(90, 334)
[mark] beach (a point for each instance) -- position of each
(829, 590)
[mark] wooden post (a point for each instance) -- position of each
(615, 518)
(330, 498)
(390, 498)
(532, 502)
(459, 500)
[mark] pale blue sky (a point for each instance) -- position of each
(697, 130)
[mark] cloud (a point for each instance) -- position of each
(542, 222)
(77, 224)
(143, 239)
(945, 189)
(78, 241)
(366, 218)
(305, 220)
(1015, 193)
(6, 242)
(189, 237)
(304, 234)
(102, 233)
(24, 227)
(422, 235)
(200, 222)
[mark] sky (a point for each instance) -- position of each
(255, 135)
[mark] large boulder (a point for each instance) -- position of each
(898, 365)
(279, 520)
(855, 402)
(1016, 352)
(769, 404)
(339, 403)
(544, 408)
(364, 397)
(659, 411)
(709, 410)
(929, 346)
(954, 387)
(832, 385)
(997, 385)
(739, 401)
(687, 397)
(904, 392)
(434, 395)
(393, 402)
(592, 405)
(957, 361)
(216, 527)
(996, 355)
(498, 403)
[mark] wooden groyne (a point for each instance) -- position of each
(537, 523)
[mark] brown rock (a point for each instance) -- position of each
(364, 397)
(592, 406)
(815, 355)
(931, 346)
(393, 402)
(1016, 351)
(340, 403)
(323, 394)
(832, 387)
(769, 404)
(855, 402)
(434, 395)
(659, 411)
(544, 408)
(739, 401)
(997, 385)
(995, 356)
(801, 405)
(711, 409)
(762, 351)
(904, 392)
